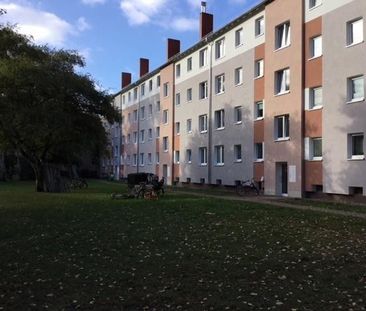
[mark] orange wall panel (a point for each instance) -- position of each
(258, 171)
(259, 131)
(313, 123)
(313, 174)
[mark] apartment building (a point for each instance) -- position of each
(277, 95)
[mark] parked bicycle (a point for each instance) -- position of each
(247, 187)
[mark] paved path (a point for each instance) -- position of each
(272, 201)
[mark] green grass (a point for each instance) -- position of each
(83, 250)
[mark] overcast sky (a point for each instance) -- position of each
(113, 34)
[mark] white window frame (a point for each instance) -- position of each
(313, 97)
(177, 99)
(135, 137)
(219, 155)
(220, 48)
(189, 94)
(165, 144)
(189, 156)
(314, 3)
(352, 39)
(282, 81)
(316, 47)
(149, 158)
(142, 89)
(178, 71)
(351, 89)
(284, 120)
(177, 128)
(220, 84)
(256, 110)
(134, 163)
(351, 155)
(202, 155)
(203, 57)
(150, 110)
(202, 123)
(142, 136)
(142, 112)
(189, 126)
(166, 89)
(157, 157)
(158, 106)
(203, 90)
(150, 135)
(189, 64)
(238, 74)
(141, 159)
(256, 150)
(239, 37)
(259, 26)
(220, 119)
(176, 157)
(283, 36)
(238, 111)
(165, 116)
(258, 68)
(238, 159)
(157, 132)
(150, 85)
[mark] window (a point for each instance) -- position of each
(189, 126)
(355, 32)
(219, 155)
(166, 89)
(220, 48)
(283, 34)
(316, 97)
(202, 152)
(189, 95)
(158, 81)
(149, 158)
(189, 156)
(237, 153)
(259, 68)
(356, 89)
(157, 131)
(282, 127)
(282, 79)
(165, 116)
(129, 117)
(239, 37)
(203, 57)
(202, 123)
(142, 162)
(258, 152)
(259, 26)
(220, 119)
(128, 159)
(316, 148)
(165, 144)
(150, 110)
(316, 47)
(128, 138)
(134, 159)
(177, 99)
(157, 157)
(203, 90)
(355, 142)
(142, 112)
(150, 85)
(259, 110)
(129, 96)
(238, 76)
(135, 116)
(142, 89)
(150, 134)
(238, 115)
(142, 136)
(135, 137)
(220, 84)
(158, 105)
(189, 64)
(123, 100)
(314, 3)
(177, 128)
(177, 156)
(177, 70)
(135, 94)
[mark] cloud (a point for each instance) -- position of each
(82, 24)
(44, 27)
(184, 24)
(140, 12)
(93, 2)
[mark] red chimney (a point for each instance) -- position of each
(126, 79)
(173, 48)
(206, 24)
(144, 67)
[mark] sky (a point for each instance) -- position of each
(113, 34)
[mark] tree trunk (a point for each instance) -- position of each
(48, 178)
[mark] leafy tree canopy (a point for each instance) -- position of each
(49, 112)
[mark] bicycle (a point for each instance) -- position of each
(247, 187)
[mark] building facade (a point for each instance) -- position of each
(277, 95)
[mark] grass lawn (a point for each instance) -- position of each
(84, 251)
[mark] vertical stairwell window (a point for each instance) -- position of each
(282, 81)
(283, 35)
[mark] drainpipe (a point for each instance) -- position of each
(173, 124)
(138, 129)
(303, 68)
(209, 147)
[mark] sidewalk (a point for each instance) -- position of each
(276, 201)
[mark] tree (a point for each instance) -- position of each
(49, 113)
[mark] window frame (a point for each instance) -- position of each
(202, 153)
(312, 53)
(282, 77)
(204, 121)
(282, 36)
(239, 37)
(203, 90)
(350, 32)
(219, 155)
(203, 54)
(220, 48)
(351, 88)
(189, 94)
(351, 146)
(189, 128)
(259, 68)
(165, 116)
(236, 114)
(285, 124)
(259, 28)
(256, 110)
(256, 152)
(236, 153)
(238, 76)
(220, 84)
(220, 119)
